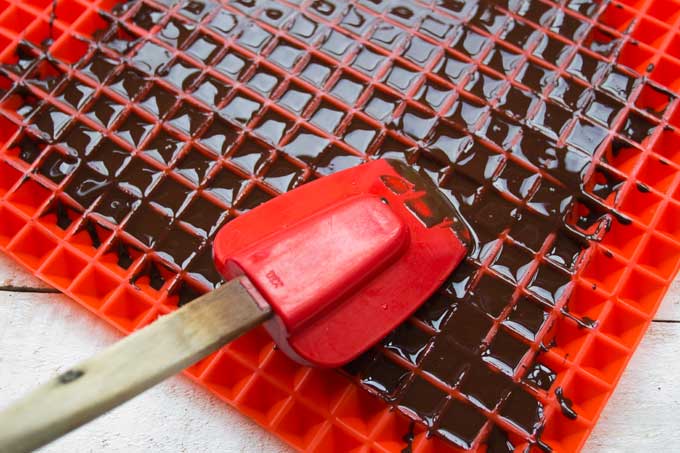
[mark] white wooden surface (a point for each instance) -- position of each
(42, 333)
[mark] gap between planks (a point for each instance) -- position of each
(27, 289)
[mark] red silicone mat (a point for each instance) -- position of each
(619, 285)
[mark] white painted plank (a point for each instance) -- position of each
(12, 274)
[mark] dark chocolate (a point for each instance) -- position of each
(408, 342)
(540, 376)
(422, 399)
(155, 278)
(93, 234)
(565, 404)
(63, 220)
(498, 441)
(460, 423)
(527, 318)
(522, 410)
(484, 386)
(642, 187)
(383, 375)
(505, 352)
(408, 438)
(47, 42)
(124, 257)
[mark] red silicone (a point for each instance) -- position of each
(620, 285)
(342, 261)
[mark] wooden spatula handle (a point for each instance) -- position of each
(129, 367)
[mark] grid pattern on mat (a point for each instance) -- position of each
(318, 102)
(646, 35)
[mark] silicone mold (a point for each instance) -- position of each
(340, 98)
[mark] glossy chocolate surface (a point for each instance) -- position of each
(220, 108)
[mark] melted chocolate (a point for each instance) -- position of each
(642, 187)
(63, 219)
(540, 376)
(408, 438)
(523, 410)
(526, 318)
(484, 386)
(155, 278)
(408, 342)
(47, 42)
(93, 234)
(512, 159)
(498, 442)
(56, 166)
(460, 423)
(124, 258)
(423, 399)
(565, 404)
(186, 294)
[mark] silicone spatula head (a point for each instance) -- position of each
(345, 259)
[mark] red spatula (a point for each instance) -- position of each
(330, 268)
